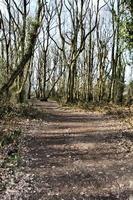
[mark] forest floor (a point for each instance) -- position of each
(69, 155)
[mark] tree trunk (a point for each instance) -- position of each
(27, 55)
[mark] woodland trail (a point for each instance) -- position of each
(73, 155)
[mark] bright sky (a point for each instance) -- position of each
(32, 9)
(33, 4)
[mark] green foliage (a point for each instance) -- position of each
(7, 110)
(31, 26)
(127, 26)
(2, 71)
(10, 137)
(130, 89)
(129, 6)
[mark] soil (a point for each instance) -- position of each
(71, 155)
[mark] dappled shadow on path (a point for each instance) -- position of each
(34, 113)
(125, 195)
(79, 156)
(51, 112)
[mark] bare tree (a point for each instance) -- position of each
(29, 50)
(73, 41)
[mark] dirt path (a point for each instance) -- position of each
(77, 156)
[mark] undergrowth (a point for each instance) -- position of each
(9, 156)
(119, 111)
